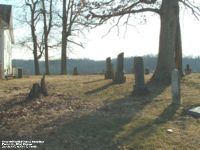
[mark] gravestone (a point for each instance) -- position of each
(194, 111)
(75, 71)
(188, 70)
(35, 92)
(119, 74)
(38, 89)
(147, 71)
(175, 87)
(139, 88)
(109, 71)
(20, 73)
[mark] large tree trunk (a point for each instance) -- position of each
(35, 55)
(169, 16)
(178, 50)
(64, 40)
(45, 39)
(46, 58)
(36, 63)
(34, 37)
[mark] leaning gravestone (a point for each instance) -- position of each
(147, 71)
(194, 111)
(75, 71)
(38, 89)
(175, 86)
(109, 71)
(188, 70)
(139, 88)
(119, 74)
(35, 91)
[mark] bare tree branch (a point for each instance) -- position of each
(194, 9)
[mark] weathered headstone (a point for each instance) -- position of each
(38, 89)
(188, 70)
(20, 73)
(119, 74)
(194, 111)
(35, 91)
(109, 70)
(139, 88)
(75, 71)
(147, 71)
(175, 86)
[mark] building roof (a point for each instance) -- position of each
(6, 19)
(5, 13)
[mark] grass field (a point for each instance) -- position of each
(90, 113)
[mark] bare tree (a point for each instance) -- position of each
(72, 20)
(170, 47)
(34, 18)
(38, 14)
(47, 21)
(64, 38)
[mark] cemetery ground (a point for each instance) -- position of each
(90, 113)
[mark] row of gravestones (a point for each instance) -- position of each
(187, 70)
(118, 77)
(140, 88)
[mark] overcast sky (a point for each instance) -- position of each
(136, 41)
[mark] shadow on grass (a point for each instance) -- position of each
(14, 102)
(93, 81)
(166, 116)
(98, 129)
(99, 89)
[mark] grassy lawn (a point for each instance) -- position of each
(90, 113)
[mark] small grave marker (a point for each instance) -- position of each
(75, 71)
(175, 86)
(188, 70)
(147, 71)
(38, 89)
(194, 111)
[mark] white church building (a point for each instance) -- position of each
(6, 40)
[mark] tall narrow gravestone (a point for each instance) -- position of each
(175, 86)
(147, 71)
(75, 71)
(119, 74)
(109, 71)
(139, 88)
(188, 70)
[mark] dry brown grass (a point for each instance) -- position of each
(88, 112)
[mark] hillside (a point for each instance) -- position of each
(88, 112)
(86, 66)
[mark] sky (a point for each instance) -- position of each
(138, 40)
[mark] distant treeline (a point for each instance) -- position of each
(87, 66)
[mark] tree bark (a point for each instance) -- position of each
(178, 50)
(33, 22)
(34, 38)
(36, 63)
(64, 40)
(170, 41)
(45, 39)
